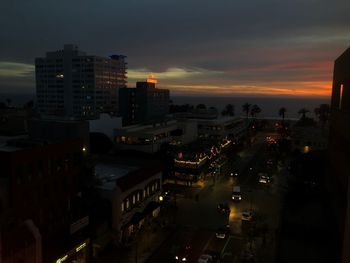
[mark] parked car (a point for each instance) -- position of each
(205, 259)
(247, 215)
(224, 208)
(264, 178)
(221, 233)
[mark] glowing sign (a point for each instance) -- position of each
(152, 79)
(62, 259)
(77, 249)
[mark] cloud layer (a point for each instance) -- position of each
(224, 47)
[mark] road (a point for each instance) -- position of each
(197, 221)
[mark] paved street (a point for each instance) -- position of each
(195, 222)
(198, 220)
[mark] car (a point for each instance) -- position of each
(234, 174)
(221, 233)
(182, 254)
(236, 193)
(247, 215)
(264, 178)
(224, 208)
(205, 259)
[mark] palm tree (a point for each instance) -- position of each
(323, 112)
(9, 101)
(228, 111)
(201, 106)
(246, 109)
(255, 110)
(282, 112)
(303, 112)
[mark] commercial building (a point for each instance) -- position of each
(339, 150)
(72, 84)
(143, 104)
(40, 183)
(133, 193)
(150, 138)
(212, 126)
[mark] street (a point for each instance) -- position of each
(197, 220)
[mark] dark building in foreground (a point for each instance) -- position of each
(143, 104)
(40, 200)
(73, 84)
(339, 150)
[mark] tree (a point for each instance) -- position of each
(303, 112)
(201, 107)
(246, 109)
(228, 111)
(9, 101)
(255, 110)
(29, 105)
(323, 112)
(282, 112)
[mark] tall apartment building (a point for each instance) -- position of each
(143, 104)
(73, 84)
(339, 151)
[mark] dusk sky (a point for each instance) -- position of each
(221, 47)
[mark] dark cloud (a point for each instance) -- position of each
(243, 40)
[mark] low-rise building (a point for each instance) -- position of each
(133, 193)
(150, 138)
(39, 182)
(220, 128)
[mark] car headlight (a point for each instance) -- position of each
(240, 198)
(176, 257)
(184, 259)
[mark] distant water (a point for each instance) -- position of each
(269, 105)
(17, 99)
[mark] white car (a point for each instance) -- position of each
(247, 215)
(205, 259)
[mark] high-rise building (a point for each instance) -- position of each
(72, 84)
(339, 150)
(143, 104)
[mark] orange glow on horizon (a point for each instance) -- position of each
(298, 89)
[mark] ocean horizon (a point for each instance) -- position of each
(269, 105)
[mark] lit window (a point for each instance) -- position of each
(127, 204)
(133, 199)
(123, 207)
(138, 197)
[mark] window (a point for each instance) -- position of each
(123, 208)
(138, 197)
(127, 204)
(133, 199)
(341, 96)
